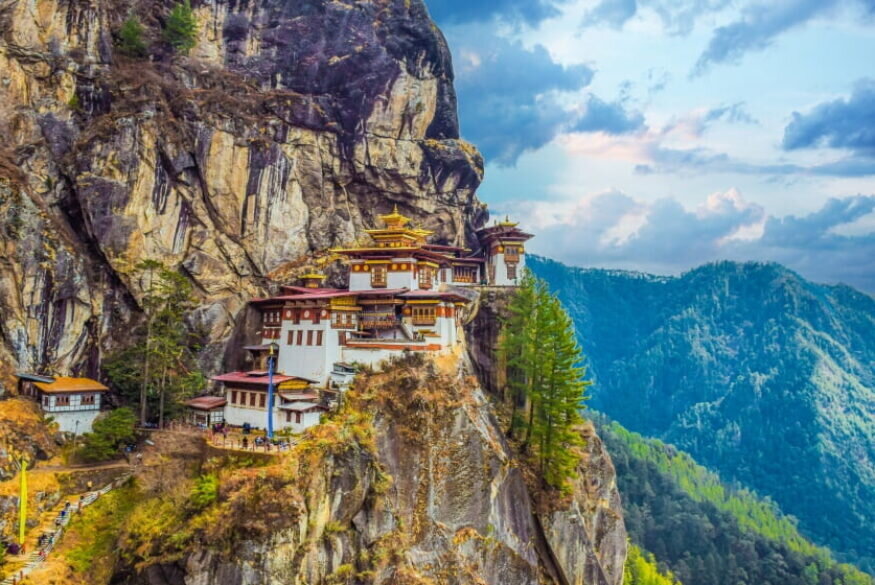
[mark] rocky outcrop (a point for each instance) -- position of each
(412, 483)
(287, 129)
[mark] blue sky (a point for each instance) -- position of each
(657, 135)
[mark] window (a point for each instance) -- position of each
(233, 397)
(62, 401)
(467, 274)
(252, 399)
(511, 271)
(291, 338)
(298, 418)
(88, 399)
(310, 337)
(300, 337)
(425, 278)
(378, 276)
(262, 400)
(318, 338)
(296, 316)
(46, 401)
(317, 314)
(512, 254)
(423, 315)
(341, 337)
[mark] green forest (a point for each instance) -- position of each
(705, 532)
(759, 374)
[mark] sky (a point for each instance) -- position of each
(658, 135)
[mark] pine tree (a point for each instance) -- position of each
(131, 38)
(162, 364)
(180, 31)
(545, 380)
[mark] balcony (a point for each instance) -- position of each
(378, 320)
(424, 320)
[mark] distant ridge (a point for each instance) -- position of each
(758, 373)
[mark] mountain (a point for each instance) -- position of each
(708, 533)
(759, 374)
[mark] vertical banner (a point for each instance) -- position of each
(22, 504)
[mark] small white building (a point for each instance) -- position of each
(205, 410)
(296, 405)
(73, 403)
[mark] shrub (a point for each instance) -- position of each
(109, 432)
(181, 28)
(131, 38)
(205, 491)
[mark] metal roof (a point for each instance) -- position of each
(206, 402)
(65, 384)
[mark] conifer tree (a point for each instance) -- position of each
(131, 38)
(545, 380)
(180, 31)
(161, 365)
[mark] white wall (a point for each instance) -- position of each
(360, 281)
(313, 362)
(67, 420)
(501, 278)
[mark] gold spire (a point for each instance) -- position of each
(395, 220)
(508, 223)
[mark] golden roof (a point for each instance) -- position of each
(395, 219)
(508, 223)
(310, 275)
(65, 384)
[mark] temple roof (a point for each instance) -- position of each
(255, 377)
(394, 219)
(206, 402)
(65, 384)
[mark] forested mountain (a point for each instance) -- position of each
(761, 375)
(705, 532)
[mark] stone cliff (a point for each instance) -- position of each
(412, 483)
(284, 132)
(288, 128)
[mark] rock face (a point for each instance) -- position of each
(287, 129)
(426, 492)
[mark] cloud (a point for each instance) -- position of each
(759, 24)
(734, 114)
(614, 230)
(509, 95)
(449, 12)
(677, 16)
(675, 148)
(842, 123)
(613, 118)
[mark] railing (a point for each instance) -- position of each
(378, 322)
(424, 320)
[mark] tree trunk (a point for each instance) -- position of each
(161, 399)
(145, 385)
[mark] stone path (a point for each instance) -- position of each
(56, 525)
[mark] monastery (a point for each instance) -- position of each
(404, 294)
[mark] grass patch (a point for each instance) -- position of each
(89, 546)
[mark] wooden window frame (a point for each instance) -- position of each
(233, 397)
(309, 337)
(319, 337)
(300, 337)
(252, 398)
(262, 400)
(379, 276)
(291, 338)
